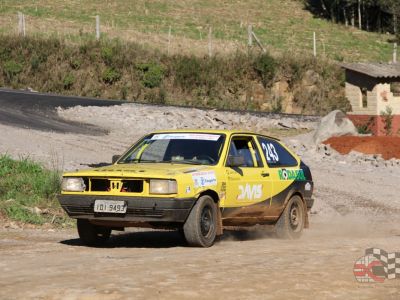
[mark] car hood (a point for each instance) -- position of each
(147, 170)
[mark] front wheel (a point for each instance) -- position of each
(200, 228)
(92, 235)
(291, 222)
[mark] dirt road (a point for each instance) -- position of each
(242, 265)
(157, 265)
(357, 206)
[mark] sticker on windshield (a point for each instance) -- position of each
(205, 178)
(186, 136)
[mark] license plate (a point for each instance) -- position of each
(110, 206)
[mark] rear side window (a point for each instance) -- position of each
(275, 154)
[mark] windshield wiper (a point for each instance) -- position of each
(138, 160)
(186, 162)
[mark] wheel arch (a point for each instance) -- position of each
(214, 195)
(292, 193)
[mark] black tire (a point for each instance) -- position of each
(200, 228)
(92, 235)
(291, 222)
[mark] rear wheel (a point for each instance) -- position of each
(92, 235)
(200, 227)
(291, 223)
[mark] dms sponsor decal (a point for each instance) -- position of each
(250, 192)
(202, 179)
(291, 174)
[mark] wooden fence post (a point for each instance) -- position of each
(395, 53)
(169, 39)
(21, 24)
(314, 44)
(210, 41)
(97, 27)
(250, 36)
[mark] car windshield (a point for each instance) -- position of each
(183, 148)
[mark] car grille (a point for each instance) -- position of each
(117, 185)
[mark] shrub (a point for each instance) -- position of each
(152, 74)
(75, 63)
(107, 54)
(110, 76)
(35, 62)
(156, 96)
(187, 72)
(265, 66)
(366, 127)
(387, 116)
(124, 92)
(68, 81)
(11, 68)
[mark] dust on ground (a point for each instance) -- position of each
(356, 207)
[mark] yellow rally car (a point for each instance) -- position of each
(197, 181)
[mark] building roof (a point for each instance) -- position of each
(376, 70)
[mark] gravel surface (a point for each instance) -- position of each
(357, 205)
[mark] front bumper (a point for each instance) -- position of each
(140, 209)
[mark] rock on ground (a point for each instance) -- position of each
(335, 123)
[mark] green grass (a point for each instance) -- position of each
(280, 24)
(26, 185)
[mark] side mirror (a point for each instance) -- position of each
(115, 158)
(236, 161)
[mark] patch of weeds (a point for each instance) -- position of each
(366, 127)
(187, 72)
(35, 62)
(124, 92)
(107, 54)
(265, 66)
(11, 69)
(110, 76)
(26, 185)
(75, 63)
(156, 96)
(152, 74)
(68, 81)
(387, 117)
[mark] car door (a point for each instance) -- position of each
(248, 187)
(283, 169)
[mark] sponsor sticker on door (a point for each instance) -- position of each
(203, 179)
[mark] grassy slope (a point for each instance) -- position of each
(27, 192)
(280, 24)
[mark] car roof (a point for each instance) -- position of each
(214, 131)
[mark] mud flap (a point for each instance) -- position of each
(220, 229)
(306, 221)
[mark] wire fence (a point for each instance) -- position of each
(211, 40)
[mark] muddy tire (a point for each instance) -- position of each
(200, 228)
(92, 235)
(291, 222)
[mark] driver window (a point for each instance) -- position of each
(245, 147)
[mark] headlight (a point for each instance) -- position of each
(160, 186)
(73, 184)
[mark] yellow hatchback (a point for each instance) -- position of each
(196, 181)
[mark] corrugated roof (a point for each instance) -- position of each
(376, 70)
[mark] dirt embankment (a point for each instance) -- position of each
(388, 147)
(115, 70)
